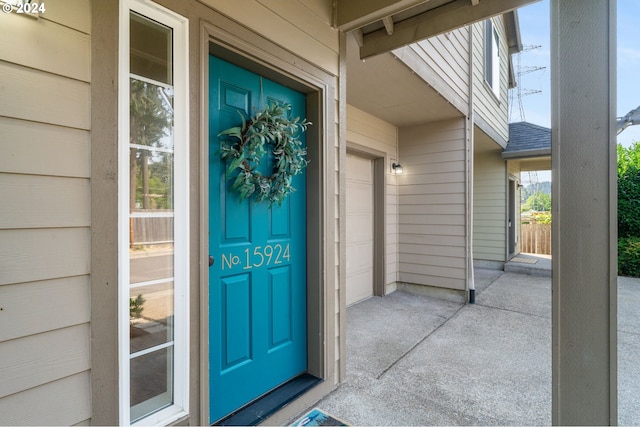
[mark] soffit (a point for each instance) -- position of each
(385, 87)
(535, 164)
(484, 143)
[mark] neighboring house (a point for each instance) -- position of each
(109, 124)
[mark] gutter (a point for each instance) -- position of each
(526, 154)
(469, 181)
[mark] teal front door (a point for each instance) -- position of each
(257, 283)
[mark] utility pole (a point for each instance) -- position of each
(632, 118)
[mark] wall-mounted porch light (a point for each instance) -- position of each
(397, 168)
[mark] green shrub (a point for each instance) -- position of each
(542, 217)
(629, 256)
(629, 190)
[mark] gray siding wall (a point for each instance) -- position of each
(493, 111)
(489, 206)
(45, 220)
(432, 205)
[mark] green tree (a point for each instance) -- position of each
(538, 201)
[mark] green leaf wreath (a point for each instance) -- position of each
(248, 146)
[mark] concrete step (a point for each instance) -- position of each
(531, 264)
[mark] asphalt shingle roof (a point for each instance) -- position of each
(527, 140)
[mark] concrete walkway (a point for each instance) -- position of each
(417, 360)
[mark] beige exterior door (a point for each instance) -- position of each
(359, 228)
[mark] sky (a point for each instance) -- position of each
(535, 31)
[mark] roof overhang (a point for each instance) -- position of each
(526, 154)
(385, 25)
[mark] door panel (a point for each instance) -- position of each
(360, 241)
(257, 285)
(235, 320)
(511, 225)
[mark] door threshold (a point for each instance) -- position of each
(265, 406)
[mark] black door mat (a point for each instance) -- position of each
(260, 409)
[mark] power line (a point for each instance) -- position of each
(521, 92)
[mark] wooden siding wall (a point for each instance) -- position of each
(489, 206)
(369, 131)
(493, 111)
(302, 26)
(45, 219)
(432, 205)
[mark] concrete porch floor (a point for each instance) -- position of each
(418, 360)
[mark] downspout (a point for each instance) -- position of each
(469, 179)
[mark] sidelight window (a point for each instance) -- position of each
(153, 215)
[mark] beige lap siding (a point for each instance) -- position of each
(45, 225)
(432, 210)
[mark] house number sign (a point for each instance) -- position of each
(257, 256)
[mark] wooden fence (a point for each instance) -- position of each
(535, 238)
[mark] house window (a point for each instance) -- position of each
(492, 57)
(153, 215)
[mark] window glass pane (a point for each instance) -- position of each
(151, 181)
(151, 171)
(151, 233)
(152, 289)
(150, 316)
(151, 262)
(151, 382)
(495, 78)
(151, 115)
(488, 55)
(151, 48)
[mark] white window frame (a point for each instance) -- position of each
(179, 24)
(492, 57)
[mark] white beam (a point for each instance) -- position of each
(436, 21)
(583, 151)
(352, 14)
